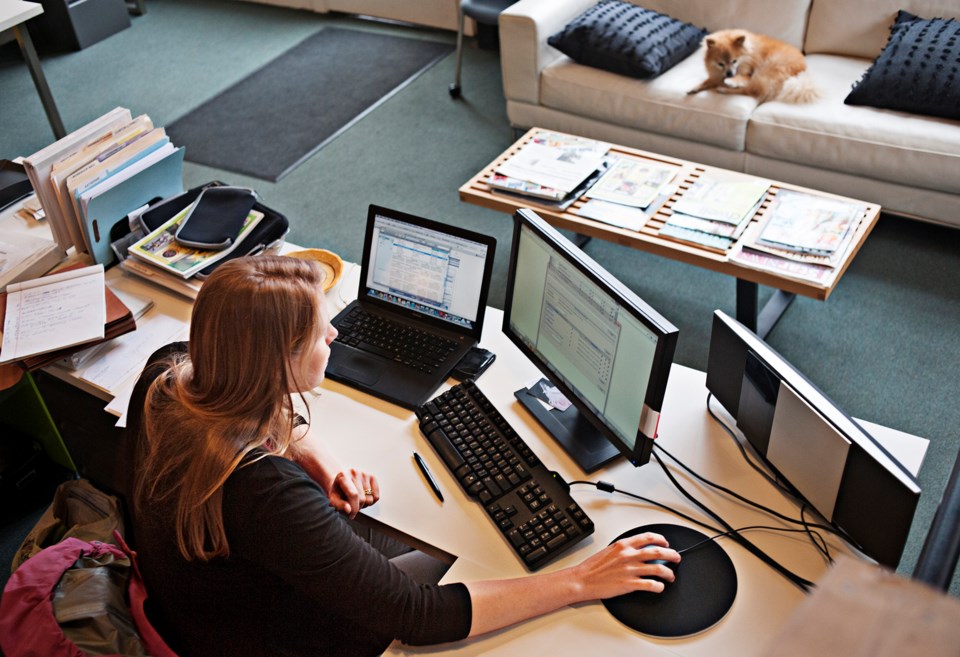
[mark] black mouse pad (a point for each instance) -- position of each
(703, 592)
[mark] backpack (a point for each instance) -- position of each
(70, 600)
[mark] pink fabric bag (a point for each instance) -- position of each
(29, 626)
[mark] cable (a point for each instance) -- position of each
(802, 583)
(607, 487)
(783, 487)
(746, 500)
(610, 488)
(740, 530)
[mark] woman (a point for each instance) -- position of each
(240, 514)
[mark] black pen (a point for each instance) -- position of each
(426, 473)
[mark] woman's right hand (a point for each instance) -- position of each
(621, 567)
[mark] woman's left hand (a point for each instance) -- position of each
(353, 490)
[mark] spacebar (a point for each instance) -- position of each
(374, 349)
(450, 455)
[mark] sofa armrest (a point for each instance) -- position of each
(524, 29)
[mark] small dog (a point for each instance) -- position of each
(741, 62)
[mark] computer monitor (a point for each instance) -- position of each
(831, 461)
(606, 350)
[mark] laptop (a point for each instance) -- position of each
(419, 308)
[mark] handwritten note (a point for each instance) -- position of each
(53, 312)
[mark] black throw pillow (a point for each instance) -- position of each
(624, 38)
(918, 70)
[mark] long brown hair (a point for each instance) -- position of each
(231, 395)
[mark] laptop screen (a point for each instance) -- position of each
(426, 270)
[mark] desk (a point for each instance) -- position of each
(389, 434)
(371, 434)
(13, 15)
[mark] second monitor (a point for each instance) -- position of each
(602, 346)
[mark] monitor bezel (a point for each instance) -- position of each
(666, 332)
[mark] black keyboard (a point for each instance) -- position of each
(405, 344)
(531, 507)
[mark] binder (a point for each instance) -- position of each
(109, 203)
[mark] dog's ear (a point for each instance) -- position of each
(709, 42)
(739, 40)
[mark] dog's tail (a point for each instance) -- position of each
(799, 89)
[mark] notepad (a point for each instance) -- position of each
(53, 312)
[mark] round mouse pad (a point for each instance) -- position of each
(703, 592)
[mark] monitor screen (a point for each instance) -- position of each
(433, 271)
(825, 455)
(606, 350)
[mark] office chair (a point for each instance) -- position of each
(941, 549)
(484, 12)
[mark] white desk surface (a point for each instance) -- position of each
(14, 12)
(379, 437)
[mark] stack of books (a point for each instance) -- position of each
(714, 212)
(89, 181)
(803, 236)
(630, 191)
(552, 168)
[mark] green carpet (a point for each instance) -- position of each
(884, 345)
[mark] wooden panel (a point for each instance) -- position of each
(478, 192)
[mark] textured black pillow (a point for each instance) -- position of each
(918, 70)
(624, 38)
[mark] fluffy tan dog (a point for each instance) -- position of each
(741, 62)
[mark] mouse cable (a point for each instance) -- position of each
(607, 487)
(740, 530)
(773, 512)
(803, 584)
(786, 488)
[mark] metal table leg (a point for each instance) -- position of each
(39, 81)
(760, 322)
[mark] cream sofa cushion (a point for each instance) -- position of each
(860, 28)
(882, 144)
(781, 19)
(658, 105)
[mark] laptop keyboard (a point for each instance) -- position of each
(402, 343)
(530, 507)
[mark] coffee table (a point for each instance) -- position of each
(761, 321)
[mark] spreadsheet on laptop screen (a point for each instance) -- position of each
(427, 270)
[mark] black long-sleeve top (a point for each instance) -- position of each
(298, 581)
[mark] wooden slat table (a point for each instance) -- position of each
(478, 192)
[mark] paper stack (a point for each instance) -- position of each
(552, 167)
(629, 192)
(803, 235)
(715, 210)
(49, 318)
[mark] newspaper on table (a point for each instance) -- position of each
(555, 160)
(633, 182)
(726, 197)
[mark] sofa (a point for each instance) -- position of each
(908, 163)
(430, 13)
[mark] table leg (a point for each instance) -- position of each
(39, 81)
(762, 321)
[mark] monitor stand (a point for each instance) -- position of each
(589, 448)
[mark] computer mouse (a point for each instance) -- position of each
(662, 562)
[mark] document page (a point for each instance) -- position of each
(53, 312)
